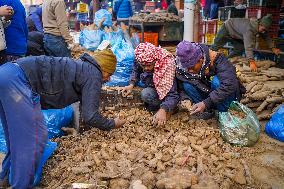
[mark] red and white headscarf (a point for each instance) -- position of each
(164, 69)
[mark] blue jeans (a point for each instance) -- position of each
(56, 46)
(197, 96)
(23, 125)
(150, 97)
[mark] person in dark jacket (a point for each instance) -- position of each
(123, 9)
(17, 33)
(172, 8)
(34, 20)
(155, 68)
(207, 78)
(35, 44)
(32, 83)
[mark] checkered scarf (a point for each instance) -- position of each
(164, 69)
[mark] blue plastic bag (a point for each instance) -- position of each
(103, 13)
(124, 53)
(91, 39)
(113, 37)
(54, 119)
(275, 127)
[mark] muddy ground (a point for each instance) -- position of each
(185, 153)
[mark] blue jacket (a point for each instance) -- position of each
(17, 33)
(63, 81)
(169, 103)
(34, 20)
(123, 9)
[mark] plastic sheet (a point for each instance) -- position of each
(113, 37)
(91, 39)
(275, 127)
(54, 119)
(124, 53)
(103, 13)
(237, 130)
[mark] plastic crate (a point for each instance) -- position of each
(150, 38)
(264, 3)
(211, 26)
(209, 38)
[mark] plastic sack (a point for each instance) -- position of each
(91, 39)
(113, 37)
(54, 119)
(124, 53)
(239, 126)
(275, 127)
(103, 13)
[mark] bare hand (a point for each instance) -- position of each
(119, 122)
(6, 11)
(276, 51)
(197, 108)
(186, 105)
(160, 117)
(126, 90)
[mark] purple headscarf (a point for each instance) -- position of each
(188, 53)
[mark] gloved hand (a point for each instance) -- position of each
(160, 117)
(119, 122)
(276, 51)
(126, 90)
(253, 66)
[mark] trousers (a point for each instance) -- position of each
(197, 96)
(151, 99)
(56, 46)
(23, 125)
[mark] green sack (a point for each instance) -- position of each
(239, 126)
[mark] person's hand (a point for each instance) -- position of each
(186, 105)
(160, 117)
(276, 51)
(119, 122)
(6, 11)
(253, 66)
(75, 47)
(125, 91)
(197, 108)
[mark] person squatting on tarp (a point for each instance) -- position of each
(207, 78)
(32, 83)
(155, 68)
(242, 33)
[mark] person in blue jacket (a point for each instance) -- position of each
(207, 79)
(34, 20)
(36, 82)
(17, 33)
(123, 9)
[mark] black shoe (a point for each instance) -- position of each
(204, 115)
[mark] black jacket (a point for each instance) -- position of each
(63, 81)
